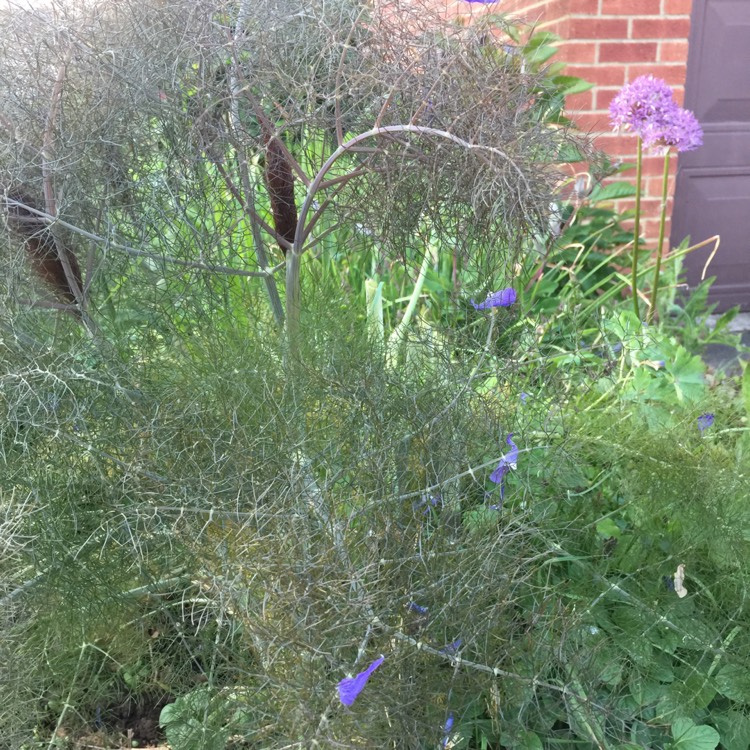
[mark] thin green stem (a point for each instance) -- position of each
(662, 223)
(637, 228)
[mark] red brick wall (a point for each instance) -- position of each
(610, 43)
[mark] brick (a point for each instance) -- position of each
(598, 28)
(631, 7)
(678, 7)
(673, 51)
(660, 28)
(578, 52)
(674, 75)
(603, 96)
(626, 52)
(601, 75)
(653, 167)
(622, 145)
(590, 122)
(583, 102)
(585, 8)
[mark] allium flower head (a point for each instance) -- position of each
(351, 687)
(503, 298)
(705, 421)
(641, 104)
(646, 107)
(680, 130)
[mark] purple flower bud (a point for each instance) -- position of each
(705, 421)
(503, 298)
(351, 687)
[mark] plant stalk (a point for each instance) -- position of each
(662, 223)
(637, 228)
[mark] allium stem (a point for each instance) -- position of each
(662, 223)
(637, 228)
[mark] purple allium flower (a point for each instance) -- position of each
(680, 130)
(705, 421)
(507, 462)
(641, 104)
(503, 298)
(646, 107)
(351, 687)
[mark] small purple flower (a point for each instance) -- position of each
(414, 607)
(447, 728)
(503, 298)
(507, 462)
(452, 648)
(428, 502)
(524, 397)
(351, 687)
(705, 421)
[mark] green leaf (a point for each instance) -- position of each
(733, 682)
(572, 84)
(608, 528)
(529, 741)
(612, 191)
(689, 736)
(734, 728)
(688, 372)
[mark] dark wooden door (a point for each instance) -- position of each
(712, 193)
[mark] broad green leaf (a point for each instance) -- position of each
(572, 84)
(689, 736)
(613, 191)
(529, 741)
(733, 682)
(734, 727)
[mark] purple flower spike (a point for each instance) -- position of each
(507, 462)
(351, 687)
(705, 421)
(503, 298)
(418, 608)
